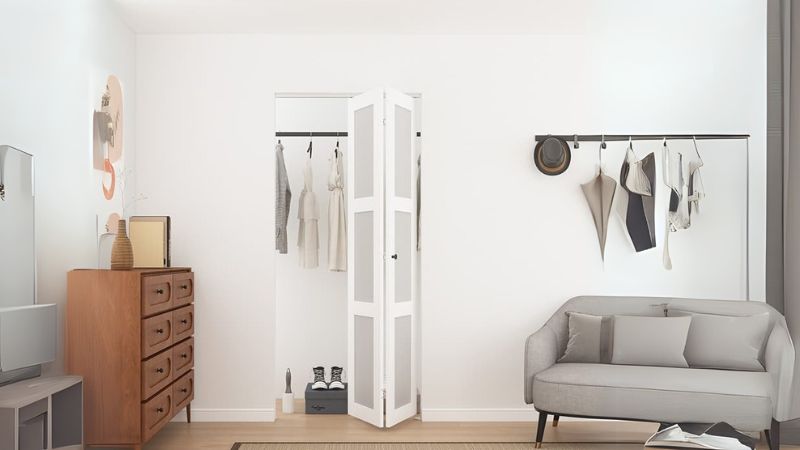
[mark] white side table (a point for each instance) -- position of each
(42, 413)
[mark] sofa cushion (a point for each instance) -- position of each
(650, 341)
(725, 342)
(658, 394)
(589, 338)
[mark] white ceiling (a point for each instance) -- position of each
(359, 16)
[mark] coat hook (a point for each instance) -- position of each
(603, 141)
(575, 143)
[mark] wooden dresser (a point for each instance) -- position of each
(129, 334)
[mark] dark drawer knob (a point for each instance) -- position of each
(184, 390)
(184, 355)
(184, 286)
(185, 321)
(159, 330)
(160, 370)
(159, 410)
(394, 256)
(159, 291)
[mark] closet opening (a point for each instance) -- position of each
(327, 255)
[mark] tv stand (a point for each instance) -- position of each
(42, 414)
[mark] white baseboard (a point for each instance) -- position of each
(227, 415)
(487, 415)
(479, 415)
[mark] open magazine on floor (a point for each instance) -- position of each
(719, 436)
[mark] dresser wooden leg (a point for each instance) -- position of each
(189, 413)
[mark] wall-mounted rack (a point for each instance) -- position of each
(575, 139)
(603, 138)
(316, 134)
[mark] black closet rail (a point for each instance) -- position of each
(316, 134)
(637, 137)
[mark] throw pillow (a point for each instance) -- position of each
(725, 342)
(589, 339)
(650, 341)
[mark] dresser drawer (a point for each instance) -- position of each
(156, 413)
(183, 391)
(184, 288)
(157, 334)
(183, 358)
(157, 373)
(157, 294)
(183, 320)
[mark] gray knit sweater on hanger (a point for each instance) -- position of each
(283, 199)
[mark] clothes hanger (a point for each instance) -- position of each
(697, 150)
(336, 150)
(600, 154)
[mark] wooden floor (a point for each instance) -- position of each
(343, 428)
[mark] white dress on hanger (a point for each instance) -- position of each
(337, 226)
(308, 213)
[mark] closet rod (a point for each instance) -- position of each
(317, 134)
(637, 137)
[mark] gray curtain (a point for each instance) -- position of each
(783, 189)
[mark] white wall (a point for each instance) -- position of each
(503, 245)
(56, 57)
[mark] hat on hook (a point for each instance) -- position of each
(552, 156)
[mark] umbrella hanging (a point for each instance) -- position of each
(599, 193)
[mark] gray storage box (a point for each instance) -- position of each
(326, 401)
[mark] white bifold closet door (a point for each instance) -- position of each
(382, 247)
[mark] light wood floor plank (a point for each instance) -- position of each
(343, 428)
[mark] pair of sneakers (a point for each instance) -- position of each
(336, 382)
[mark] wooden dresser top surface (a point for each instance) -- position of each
(140, 270)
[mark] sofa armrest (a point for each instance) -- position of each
(541, 352)
(779, 362)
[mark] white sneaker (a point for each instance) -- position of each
(319, 379)
(336, 378)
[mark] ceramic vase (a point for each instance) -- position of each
(122, 250)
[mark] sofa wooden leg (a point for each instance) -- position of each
(540, 429)
(555, 420)
(774, 435)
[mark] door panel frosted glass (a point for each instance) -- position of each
(364, 130)
(403, 149)
(402, 361)
(364, 361)
(404, 247)
(364, 259)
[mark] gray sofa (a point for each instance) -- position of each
(750, 401)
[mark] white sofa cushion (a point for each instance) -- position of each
(725, 342)
(650, 341)
(658, 394)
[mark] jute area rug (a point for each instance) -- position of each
(430, 446)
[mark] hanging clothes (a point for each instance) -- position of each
(640, 214)
(308, 213)
(637, 181)
(337, 223)
(283, 201)
(682, 177)
(419, 201)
